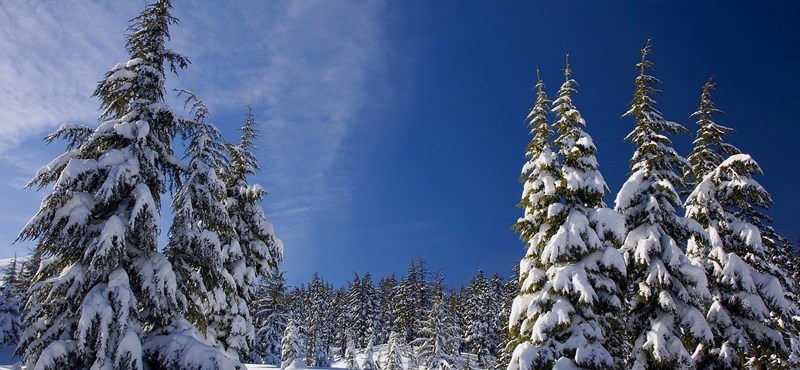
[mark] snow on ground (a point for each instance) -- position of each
(378, 351)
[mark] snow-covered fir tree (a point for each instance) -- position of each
(293, 345)
(505, 342)
(350, 352)
(479, 312)
(319, 320)
(103, 281)
(412, 301)
(568, 291)
(748, 302)
(666, 290)
(10, 306)
(363, 307)
(369, 356)
(437, 346)
(498, 311)
(540, 172)
(254, 250)
(387, 288)
(393, 360)
(201, 222)
(743, 299)
(270, 315)
(539, 176)
(708, 149)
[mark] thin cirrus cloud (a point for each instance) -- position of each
(306, 66)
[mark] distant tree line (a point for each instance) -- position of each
(416, 316)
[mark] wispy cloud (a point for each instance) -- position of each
(306, 66)
(51, 54)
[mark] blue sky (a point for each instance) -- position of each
(394, 130)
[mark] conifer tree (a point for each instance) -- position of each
(394, 354)
(709, 148)
(104, 281)
(350, 352)
(743, 298)
(748, 300)
(201, 223)
(437, 346)
(369, 357)
(411, 301)
(540, 172)
(539, 177)
(667, 291)
(10, 306)
(270, 315)
(387, 289)
(292, 346)
(479, 317)
(568, 290)
(506, 343)
(254, 250)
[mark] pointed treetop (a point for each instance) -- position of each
(567, 70)
(645, 64)
(709, 148)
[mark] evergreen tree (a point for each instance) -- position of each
(666, 292)
(254, 250)
(498, 311)
(194, 249)
(270, 315)
(568, 290)
(104, 281)
(479, 317)
(748, 300)
(539, 177)
(387, 288)
(350, 352)
(394, 354)
(10, 305)
(540, 172)
(369, 358)
(412, 301)
(355, 316)
(319, 320)
(506, 343)
(743, 299)
(437, 346)
(293, 346)
(709, 148)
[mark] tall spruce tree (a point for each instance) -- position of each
(709, 149)
(10, 306)
(568, 289)
(744, 300)
(293, 345)
(439, 340)
(200, 225)
(387, 288)
(253, 251)
(539, 177)
(748, 300)
(103, 281)
(394, 355)
(478, 310)
(666, 290)
(270, 315)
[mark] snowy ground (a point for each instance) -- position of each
(338, 363)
